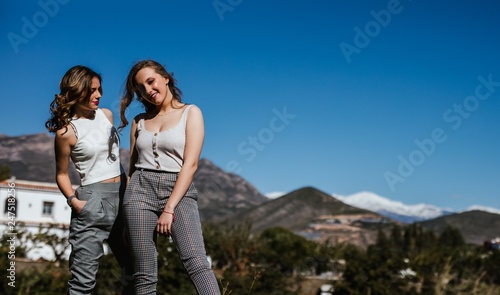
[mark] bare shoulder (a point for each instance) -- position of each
(194, 110)
(108, 113)
(194, 118)
(66, 135)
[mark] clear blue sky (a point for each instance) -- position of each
(329, 94)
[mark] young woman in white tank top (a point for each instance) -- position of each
(85, 134)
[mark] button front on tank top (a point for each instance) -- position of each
(155, 151)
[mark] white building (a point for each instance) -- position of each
(36, 202)
(32, 204)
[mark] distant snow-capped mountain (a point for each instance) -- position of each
(393, 209)
(275, 195)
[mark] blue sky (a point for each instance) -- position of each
(400, 98)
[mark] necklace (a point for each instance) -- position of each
(158, 115)
(169, 111)
(161, 115)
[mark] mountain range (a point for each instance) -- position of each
(226, 197)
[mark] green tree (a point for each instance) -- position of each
(108, 277)
(491, 266)
(231, 246)
(397, 238)
(290, 253)
(378, 269)
(10, 249)
(55, 236)
(4, 172)
(172, 277)
(451, 238)
(285, 257)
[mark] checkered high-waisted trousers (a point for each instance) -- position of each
(145, 198)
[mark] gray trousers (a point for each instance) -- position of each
(145, 198)
(100, 219)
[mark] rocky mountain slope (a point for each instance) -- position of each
(318, 216)
(475, 226)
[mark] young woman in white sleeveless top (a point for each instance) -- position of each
(165, 146)
(85, 134)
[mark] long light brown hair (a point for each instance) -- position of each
(132, 90)
(75, 87)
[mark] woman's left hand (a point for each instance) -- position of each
(164, 224)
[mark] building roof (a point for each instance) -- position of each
(30, 185)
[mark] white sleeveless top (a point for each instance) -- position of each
(96, 154)
(162, 151)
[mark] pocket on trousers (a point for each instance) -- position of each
(111, 205)
(85, 208)
(93, 209)
(112, 210)
(86, 195)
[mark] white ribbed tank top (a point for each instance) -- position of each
(96, 154)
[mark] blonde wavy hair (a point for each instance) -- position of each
(75, 87)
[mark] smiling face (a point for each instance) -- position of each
(153, 86)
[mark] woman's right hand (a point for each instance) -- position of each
(77, 205)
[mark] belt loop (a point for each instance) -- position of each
(140, 176)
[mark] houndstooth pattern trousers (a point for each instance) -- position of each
(144, 200)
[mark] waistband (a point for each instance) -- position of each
(156, 171)
(102, 186)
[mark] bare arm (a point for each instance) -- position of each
(65, 140)
(195, 132)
